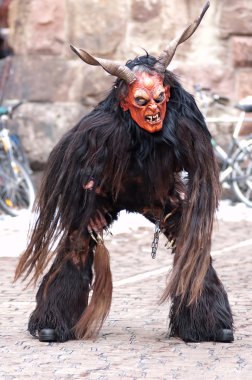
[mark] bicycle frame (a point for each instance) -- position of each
(226, 157)
(236, 161)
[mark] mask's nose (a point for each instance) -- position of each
(153, 106)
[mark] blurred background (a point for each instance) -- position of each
(57, 89)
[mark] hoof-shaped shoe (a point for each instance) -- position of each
(47, 335)
(224, 335)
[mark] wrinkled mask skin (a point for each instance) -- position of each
(146, 101)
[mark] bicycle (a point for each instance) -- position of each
(16, 188)
(236, 161)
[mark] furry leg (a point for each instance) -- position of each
(208, 319)
(63, 293)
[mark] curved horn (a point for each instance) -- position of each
(113, 68)
(168, 53)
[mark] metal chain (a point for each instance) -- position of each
(154, 245)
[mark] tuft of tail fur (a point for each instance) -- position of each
(96, 312)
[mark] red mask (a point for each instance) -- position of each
(146, 101)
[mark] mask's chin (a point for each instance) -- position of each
(151, 127)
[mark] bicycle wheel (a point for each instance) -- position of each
(19, 153)
(16, 189)
(242, 174)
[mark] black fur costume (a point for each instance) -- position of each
(136, 171)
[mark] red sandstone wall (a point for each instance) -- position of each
(47, 75)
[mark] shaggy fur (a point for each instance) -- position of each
(139, 172)
(204, 319)
(63, 292)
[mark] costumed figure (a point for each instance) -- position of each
(128, 154)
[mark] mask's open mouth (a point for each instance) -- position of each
(153, 119)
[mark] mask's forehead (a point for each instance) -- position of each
(147, 83)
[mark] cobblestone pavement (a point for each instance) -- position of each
(133, 343)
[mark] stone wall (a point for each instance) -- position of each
(58, 88)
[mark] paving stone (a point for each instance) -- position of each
(132, 343)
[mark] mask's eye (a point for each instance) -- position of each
(160, 97)
(141, 101)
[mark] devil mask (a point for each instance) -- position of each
(146, 101)
(147, 96)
